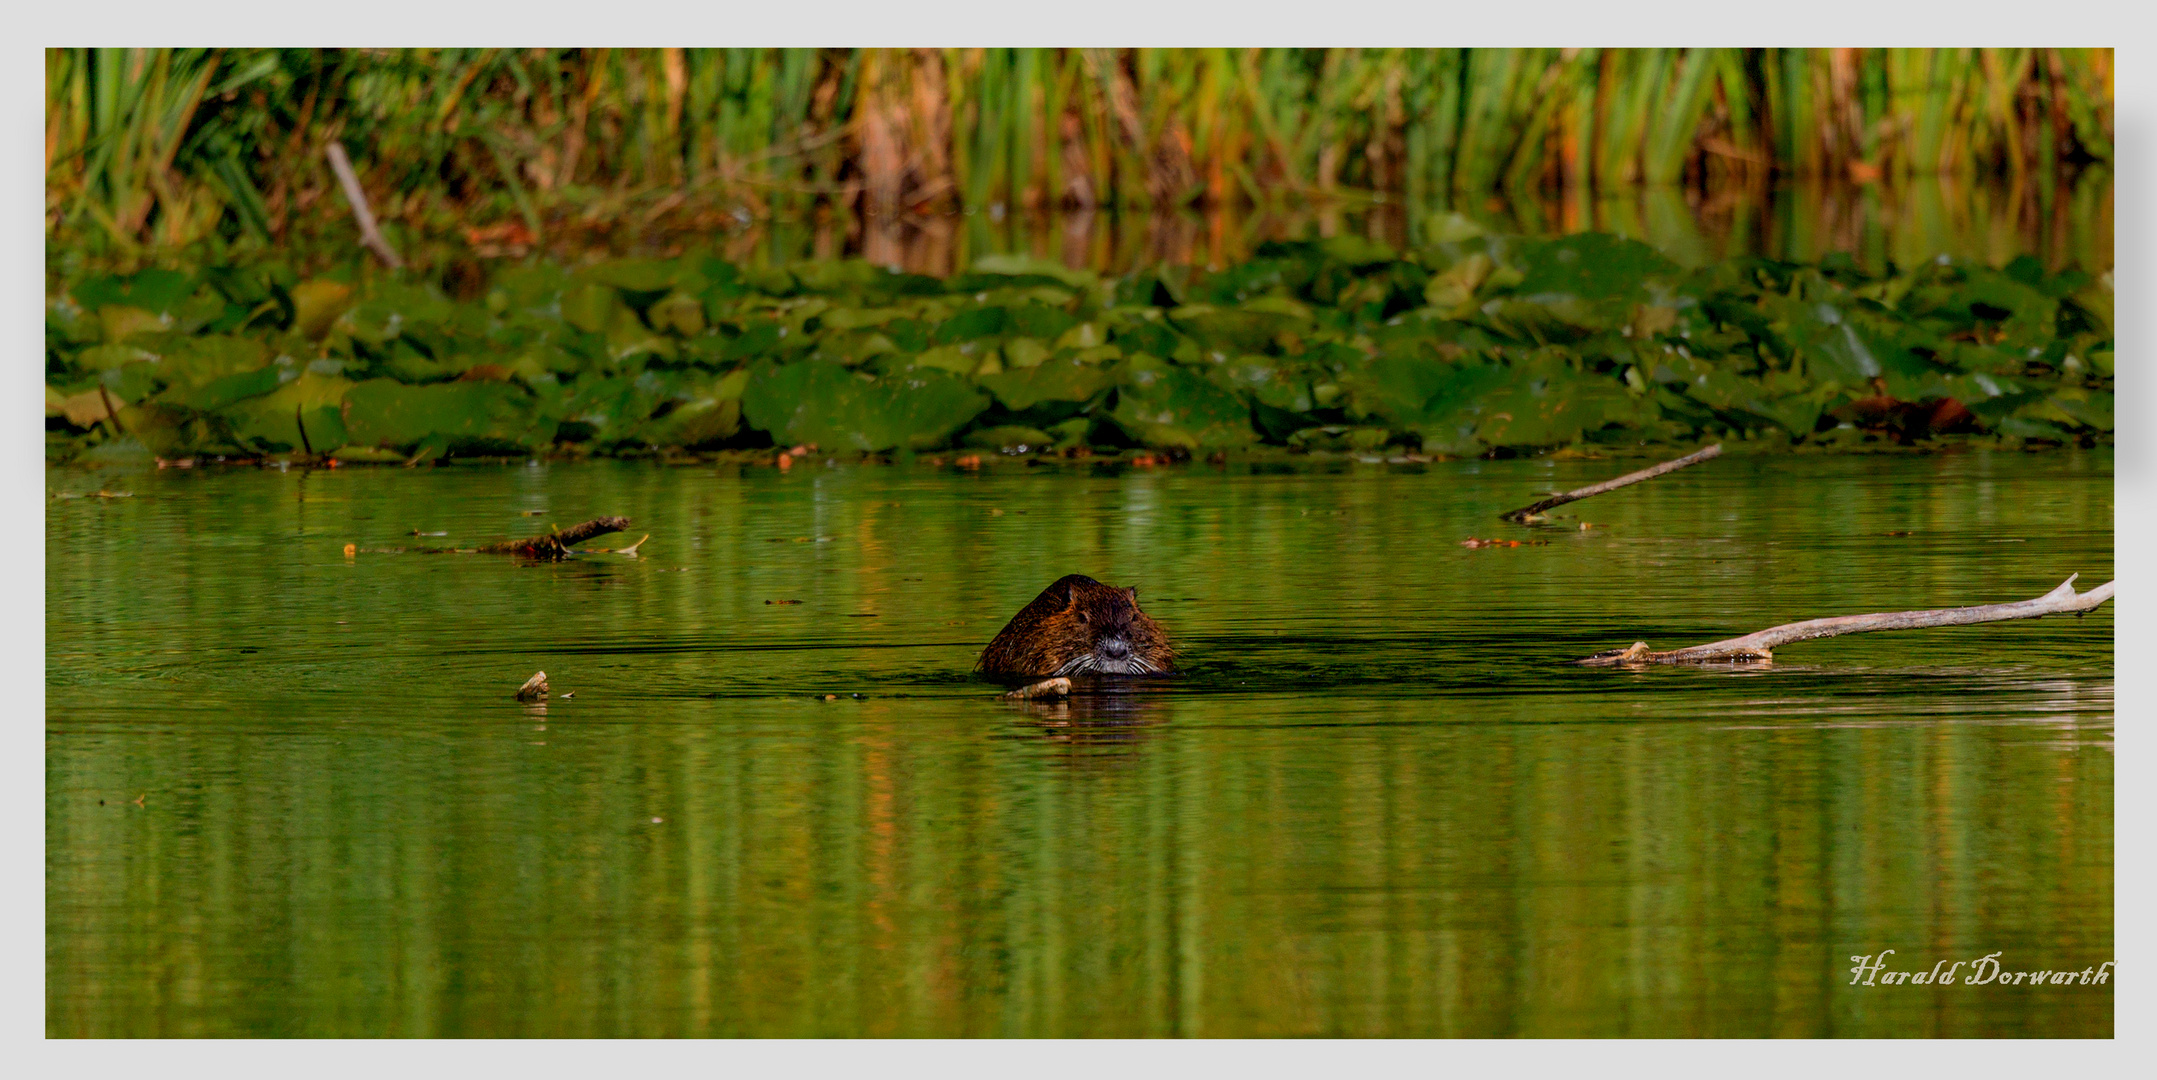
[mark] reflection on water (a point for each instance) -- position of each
(289, 793)
(2067, 222)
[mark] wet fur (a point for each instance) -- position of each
(1071, 628)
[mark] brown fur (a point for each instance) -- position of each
(1079, 626)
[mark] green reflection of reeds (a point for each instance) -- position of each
(157, 148)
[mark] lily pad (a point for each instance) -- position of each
(1248, 328)
(307, 412)
(838, 408)
(1166, 406)
(1029, 266)
(384, 413)
(1064, 379)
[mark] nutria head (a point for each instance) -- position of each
(1079, 626)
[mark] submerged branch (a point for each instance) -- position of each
(1650, 473)
(556, 545)
(1760, 646)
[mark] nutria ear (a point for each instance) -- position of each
(1132, 592)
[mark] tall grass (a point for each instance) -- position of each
(159, 147)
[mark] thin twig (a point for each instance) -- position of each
(1761, 645)
(1694, 458)
(349, 181)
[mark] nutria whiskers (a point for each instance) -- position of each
(1079, 626)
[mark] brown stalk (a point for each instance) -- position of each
(932, 134)
(111, 413)
(580, 110)
(883, 161)
(1761, 645)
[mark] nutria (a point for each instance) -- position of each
(1079, 626)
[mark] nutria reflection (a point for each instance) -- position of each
(1102, 719)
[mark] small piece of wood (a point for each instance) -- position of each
(534, 688)
(370, 235)
(556, 545)
(1046, 688)
(1650, 473)
(1761, 645)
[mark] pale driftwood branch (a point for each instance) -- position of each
(1650, 473)
(370, 235)
(1046, 688)
(1760, 646)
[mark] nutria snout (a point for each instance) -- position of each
(1079, 626)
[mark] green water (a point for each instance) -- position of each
(288, 793)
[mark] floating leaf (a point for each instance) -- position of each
(380, 412)
(1066, 379)
(1165, 406)
(108, 357)
(841, 409)
(707, 412)
(1249, 328)
(969, 325)
(317, 304)
(1024, 352)
(1010, 437)
(677, 313)
(632, 275)
(1029, 266)
(219, 392)
(119, 322)
(155, 290)
(275, 421)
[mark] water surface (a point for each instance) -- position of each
(288, 792)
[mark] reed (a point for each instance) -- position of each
(154, 148)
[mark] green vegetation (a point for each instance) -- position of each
(151, 149)
(1481, 344)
